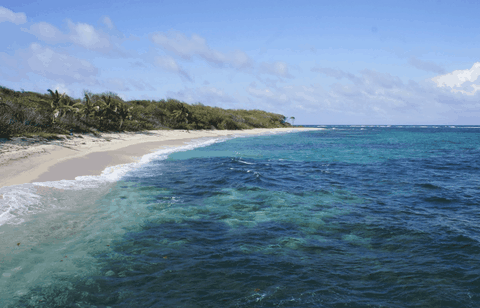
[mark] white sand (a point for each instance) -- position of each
(87, 155)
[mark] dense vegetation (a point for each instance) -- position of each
(30, 113)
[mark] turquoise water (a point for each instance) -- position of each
(342, 217)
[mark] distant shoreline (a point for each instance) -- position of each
(80, 155)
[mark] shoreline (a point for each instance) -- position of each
(82, 155)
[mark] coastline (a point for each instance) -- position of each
(81, 155)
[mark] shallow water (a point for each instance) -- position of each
(347, 216)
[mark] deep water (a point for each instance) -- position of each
(342, 217)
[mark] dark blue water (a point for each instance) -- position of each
(343, 217)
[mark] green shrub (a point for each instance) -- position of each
(27, 113)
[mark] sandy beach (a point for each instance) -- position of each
(79, 155)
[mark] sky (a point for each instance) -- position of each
(322, 62)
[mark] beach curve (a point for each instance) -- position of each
(82, 155)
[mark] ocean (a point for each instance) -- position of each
(348, 216)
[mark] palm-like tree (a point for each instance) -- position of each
(88, 109)
(178, 114)
(56, 97)
(181, 114)
(124, 112)
(293, 120)
(54, 104)
(104, 108)
(69, 106)
(110, 108)
(110, 105)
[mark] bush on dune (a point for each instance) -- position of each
(26, 113)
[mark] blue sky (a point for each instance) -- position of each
(323, 62)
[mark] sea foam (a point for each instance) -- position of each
(18, 201)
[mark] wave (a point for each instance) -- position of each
(18, 201)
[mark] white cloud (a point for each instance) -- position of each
(269, 94)
(372, 79)
(214, 92)
(278, 68)
(426, 65)
(62, 88)
(57, 67)
(371, 98)
(288, 96)
(369, 80)
(184, 47)
(108, 22)
(169, 64)
(207, 95)
(180, 45)
(116, 84)
(85, 35)
(289, 99)
(81, 34)
(460, 80)
(375, 95)
(46, 32)
(239, 59)
(8, 15)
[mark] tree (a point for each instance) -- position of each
(293, 120)
(55, 105)
(106, 109)
(69, 106)
(88, 109)
(124, 112)
(181, 114)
